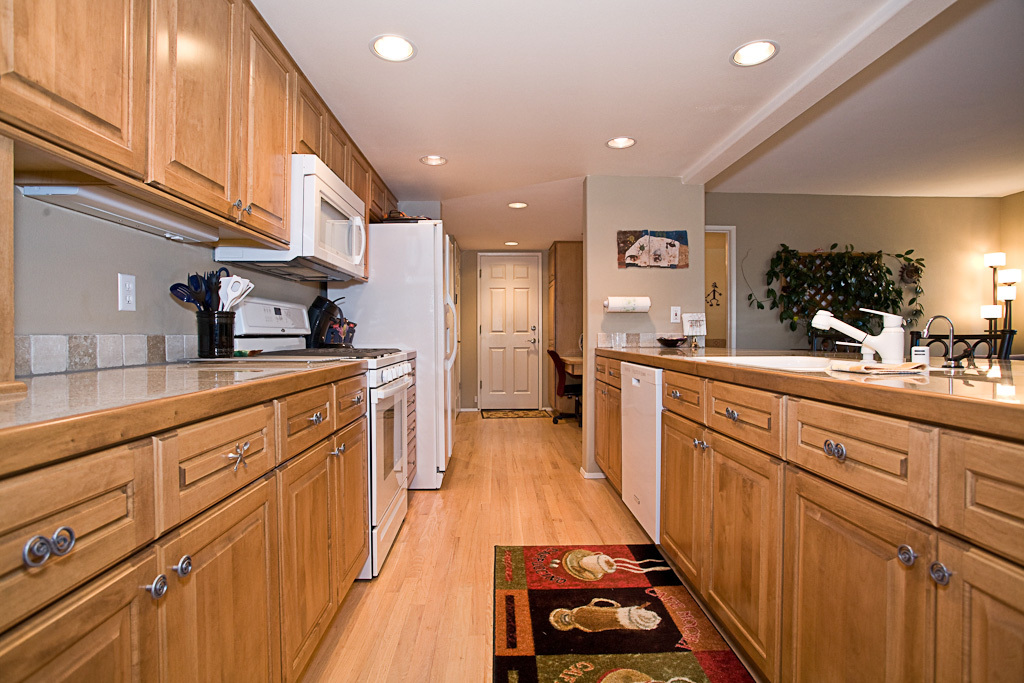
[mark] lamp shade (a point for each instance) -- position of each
(1009, 276)
(991, 311)
(995, 259)
(1006, 293)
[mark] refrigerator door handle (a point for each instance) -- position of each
(450, 334)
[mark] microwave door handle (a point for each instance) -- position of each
(360, 228)
(389, 390)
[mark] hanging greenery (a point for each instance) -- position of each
(842, 282)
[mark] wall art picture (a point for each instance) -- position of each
(653, 249)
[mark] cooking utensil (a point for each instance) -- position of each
(184, 293)
(232, 290)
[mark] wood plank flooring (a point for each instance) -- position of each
(427, 617)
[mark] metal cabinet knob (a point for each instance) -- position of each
(158, 588)
(674, 393)
(248, 209)
(184, 566)
(840, 452)
(732, 414)
(906, 555)
(829, 447)
(239, 456)
(834, 449)
(358, 399)
(339, 450)
(38, 549)
(939, 573)
(238, 204)
(317, 418)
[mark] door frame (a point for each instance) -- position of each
(730, 248)
(539, 281)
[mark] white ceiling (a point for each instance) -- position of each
(521, 96)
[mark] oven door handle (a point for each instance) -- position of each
(390, 389)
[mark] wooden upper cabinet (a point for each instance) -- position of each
(377, 197)
(359, 176)
(268, 79)
(339, 149)
(309, 131)
(390, 202)
(74, 72)
(195, 101)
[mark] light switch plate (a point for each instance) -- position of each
(125, 292)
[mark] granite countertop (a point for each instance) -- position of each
(986, 400)
(75, 412)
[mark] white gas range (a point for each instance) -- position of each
(278, 330)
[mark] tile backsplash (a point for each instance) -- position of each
(43, 354)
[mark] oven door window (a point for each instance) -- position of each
(388, 452)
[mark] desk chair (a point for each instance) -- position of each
(565, 389)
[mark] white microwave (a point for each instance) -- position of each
(327, 232)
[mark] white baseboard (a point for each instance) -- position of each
(592, 475)
(469, 410)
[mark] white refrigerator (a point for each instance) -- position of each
(408, 302)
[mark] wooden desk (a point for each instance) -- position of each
(573, 364)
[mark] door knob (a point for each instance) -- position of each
(532, 341)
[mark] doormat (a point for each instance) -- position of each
(601, 614)
(490, 414)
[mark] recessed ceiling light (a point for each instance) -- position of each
(511, 244)
(518, 205)
(393, 48)
(754, 53)
(433, 160)
(621, 143)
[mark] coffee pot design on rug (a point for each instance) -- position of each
(601, 614)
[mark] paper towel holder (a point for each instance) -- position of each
(627, 304)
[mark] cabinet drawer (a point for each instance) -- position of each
(106, 631)
(205, 462)
(104, 500)
(306, 417)
(684, 395)
(748, 415)
(351, 400)
(609, 371)
(890, 460)
(981, 491)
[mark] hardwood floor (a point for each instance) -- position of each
(427, 617)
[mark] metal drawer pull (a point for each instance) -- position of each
(158, 588)
(239, 456)
(317, 418)
(674, 394)
(906, 555)
(840, 452)
(184, 566)
(829, 447)
(358, 399)
(835, 450)
(339, 450)
(939, 573)
(38, 549)
(732, 414)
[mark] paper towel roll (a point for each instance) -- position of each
(627, 304)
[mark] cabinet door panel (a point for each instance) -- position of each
(106, 631)
(306, 486)
(743, 576)
(74, 72)
(195, 101)
(352, 540)
(980, 617)
(221, 621)
(310, 123)
(338, 150)
(683, 465)
(854, 611)
(615, 437)
(266, 130)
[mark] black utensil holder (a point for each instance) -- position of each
(216, 333)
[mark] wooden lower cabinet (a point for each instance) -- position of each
(221, 621)
(353, 505)
(980, 616)
(608, 432)
(307, 486)
(683, 467)
(853, 609)
(743, 571)
(105, 631)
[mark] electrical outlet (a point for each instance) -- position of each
(676, 313)
(125, 292)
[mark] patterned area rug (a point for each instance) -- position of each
(490, 414)
(601, 614)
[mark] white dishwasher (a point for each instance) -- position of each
(641, 445)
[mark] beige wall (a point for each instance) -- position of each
(716, 273)
(469, 325)
(951, 234)
(1011, 241)
(630, 203)
(66, 266)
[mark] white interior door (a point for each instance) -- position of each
(510, 333)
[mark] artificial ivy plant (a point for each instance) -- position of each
(842, 282)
